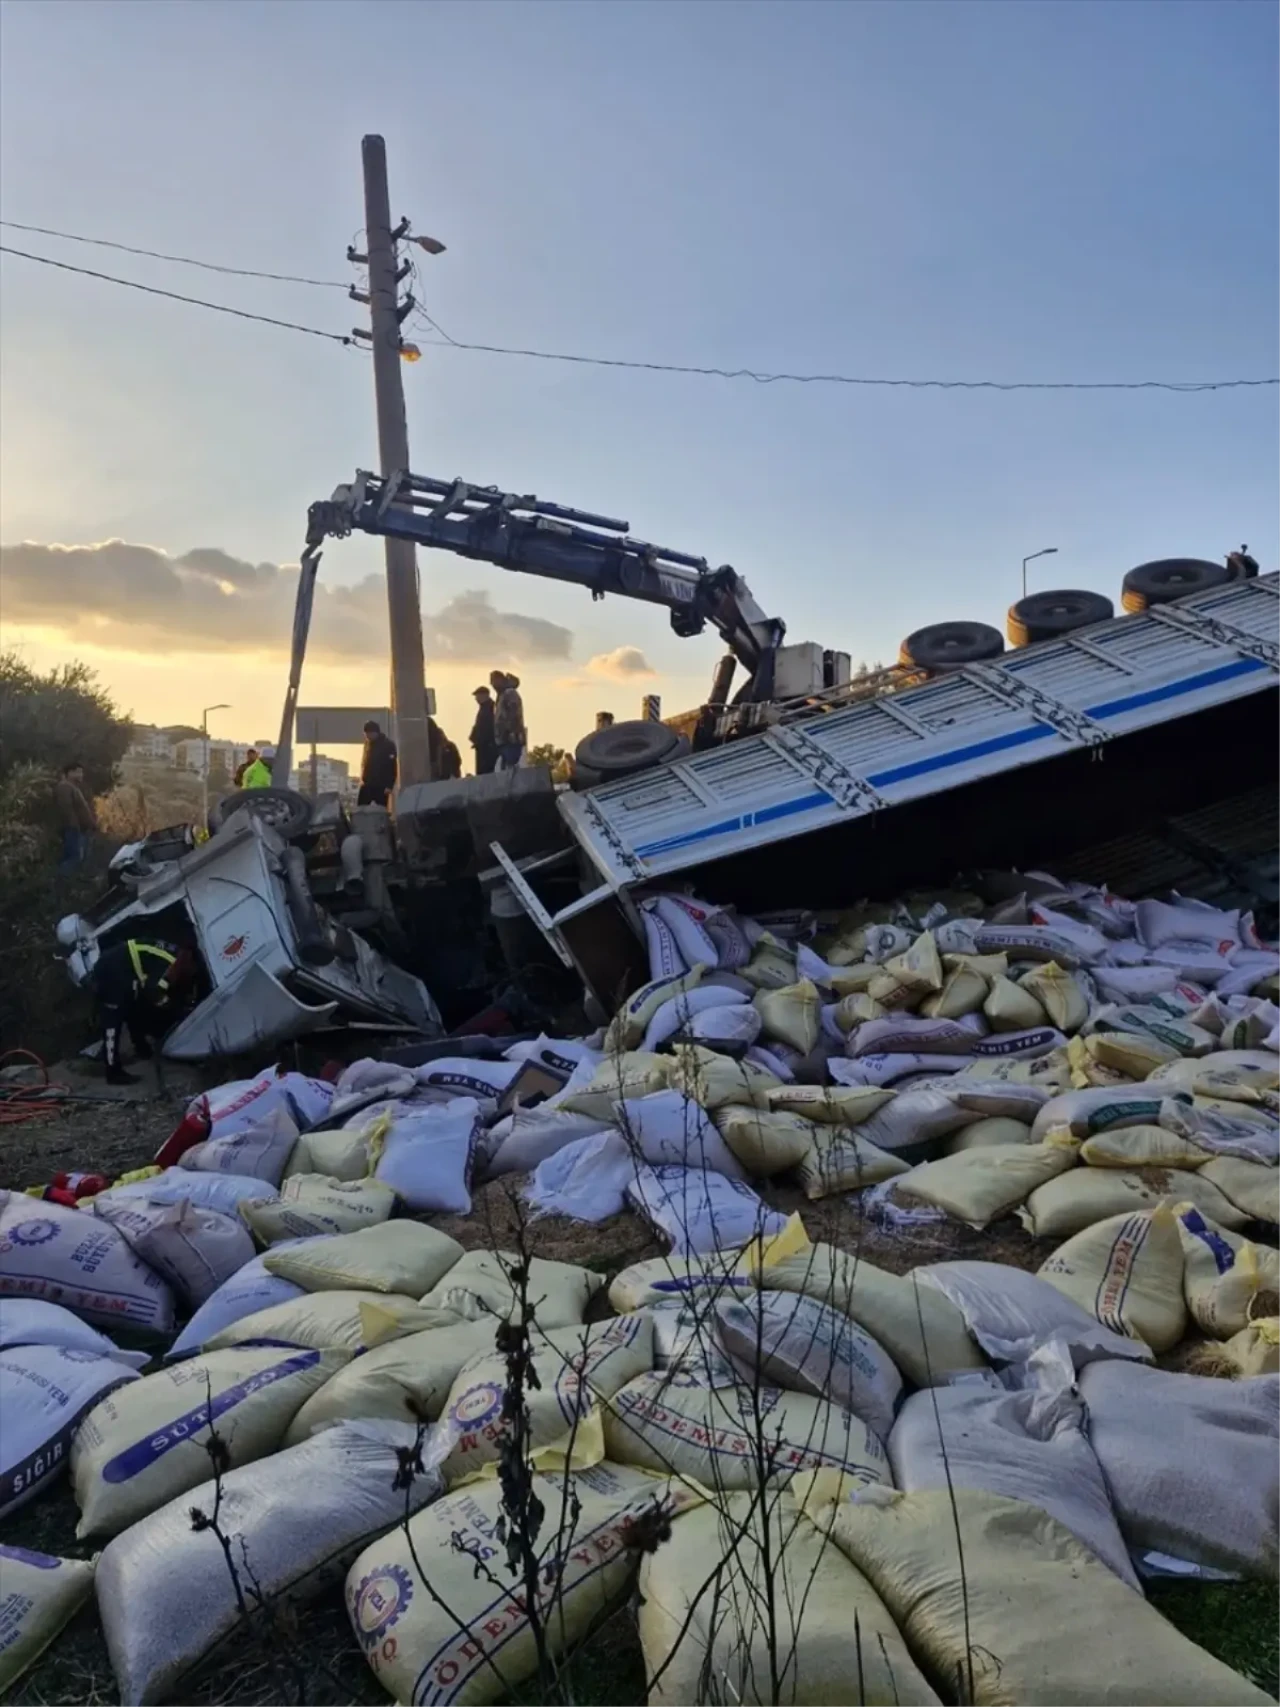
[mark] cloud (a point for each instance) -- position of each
(135, 597)
(623, 664)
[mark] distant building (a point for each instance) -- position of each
(223, 755)
(150, 744)
(333, 776)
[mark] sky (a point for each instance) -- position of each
(963, 190)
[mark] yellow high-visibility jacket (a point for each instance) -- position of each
(257, 775)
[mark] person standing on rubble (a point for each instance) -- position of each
(140, 984)
(508, 720)
(257, 772)
(378, 767)
(482, 736)
(250, 758)
(75, 816)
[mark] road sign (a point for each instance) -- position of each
(338, 725)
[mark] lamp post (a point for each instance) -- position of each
(1049, 551)
(204, 732)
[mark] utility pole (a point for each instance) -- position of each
(408, 696)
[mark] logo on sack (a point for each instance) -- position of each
(33, 1232)
(378, 1602)
(234, 947)
(478, 1405)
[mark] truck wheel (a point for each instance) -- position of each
(624, 748)
(1044, 616)
(950, 646)
(287, 812)
(1170, 578)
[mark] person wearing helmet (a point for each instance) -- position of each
(258, 773)
(139, 983)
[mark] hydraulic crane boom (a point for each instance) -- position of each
(537, 538)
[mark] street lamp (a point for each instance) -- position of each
(1049, 551)
(204, 731)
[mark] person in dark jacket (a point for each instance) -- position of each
(482, 736)
(508, 720)
(75, 816)
(378, 768)
(140, 984)
(445, 759)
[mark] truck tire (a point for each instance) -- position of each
(1044, 616)
(287, 812)
(950, 646)
(624, 748)
(1170, 578)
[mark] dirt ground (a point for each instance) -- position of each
(1237, 1622)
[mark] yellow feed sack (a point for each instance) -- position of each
(466, 1638)
(1085, 1071)
(830, 1632)
(841, 1159)
(1224, 1273)
(342, 1154)
(480, 1286)
(313, 1203)
(771, 966)
(1255, 1350)
(718, 1435)
(573, 1367)
(850, 981)
(341, 1320)
(793, 1014)
(401, 1256)
(1010, 1007)
(856, 1010)
(145, 1443)
(1030, 1613)
(985, 1133)
(1126, 1271)
(1059, 994)
(919, 969)
(832, 1105)
(397, 1381)
(1132, 1053)
(891, 1307)
(963, 992)
(1229, 1073)
(1076, 1200)
(38, 1595)
(631, 1021)
(764, 1143)
(660, 1279)
(979, 1185)
(1252, 1187)
(716, 1081)
(988, 966)
(1143, 1147)
(634, 1074)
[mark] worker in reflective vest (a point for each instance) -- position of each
(139, 983)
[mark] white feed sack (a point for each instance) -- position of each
(1128, 1271)
(721, 1436)
(1193, 1464)
(1029, 1445)
(481, 1286)
(312, 1203)
(145, 1444)
(831, 1636)
(1103, 1108)
(406, 1377)
(298, 1519)
(574, 1367)
(923, 1332)
(677, 1014)
(629, 1024)
(529, 1136)
(233, 1107)
(248, 1291)
(425, 1155)
(465, 1076)
(481, 1649)
(33, 1321)
(44, 1392)
(1032, 1616)
(587, 1180)
(633, 1074)
(401, 1256)
(699, 1211)
(71, 1258)
(222, 1192)
(1223, 1273)
(784, 1339)
(670, 1130)
(195, 1250)
(39, 1594)
(658, 1280)
(260, 1150)
(685, 1340)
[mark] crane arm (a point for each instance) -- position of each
(537, 538)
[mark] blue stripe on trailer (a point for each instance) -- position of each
(726, 826)
(1188, 684)
(960, 755)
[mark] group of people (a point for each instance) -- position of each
(498, 733)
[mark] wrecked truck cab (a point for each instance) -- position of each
(274, 965)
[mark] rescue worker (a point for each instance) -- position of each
(378, 766)
(139, 983)
(257, 773)
(508, 720)
(250, 758)
(442, 753)
(482, 736)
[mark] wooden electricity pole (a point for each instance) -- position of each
(408, 691)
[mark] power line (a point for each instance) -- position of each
(176, 296)
(182, 260)
(446, 341)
